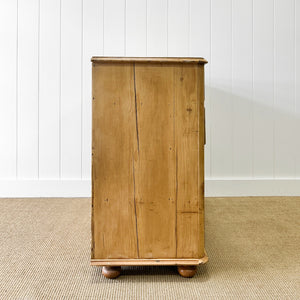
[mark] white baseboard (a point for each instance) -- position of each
(252, 187)
(45, 188)
(213, 188)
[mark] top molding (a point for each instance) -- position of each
(191, 60)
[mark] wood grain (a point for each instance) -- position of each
(150, 262)
(201, 124)
(155, 161)
(148, 162)
(114, 229)
(189, 128)
(115, 59)
(187, 136)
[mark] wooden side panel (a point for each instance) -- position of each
(189, 235)
(148, 168)
(189, 128)
(187, 132)
(114, 223)
(202, 140)
(155, 181)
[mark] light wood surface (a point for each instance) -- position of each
(154, 162)
(114, 143)
(149, 262)
(103, 59)
(148, 161)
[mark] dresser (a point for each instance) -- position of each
(148, 137)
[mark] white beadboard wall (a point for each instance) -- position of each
(252, 87)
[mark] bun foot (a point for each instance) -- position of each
(111, 272)
(187, 271)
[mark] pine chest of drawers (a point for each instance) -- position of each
(148, 141)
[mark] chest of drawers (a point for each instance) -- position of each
(148, 141)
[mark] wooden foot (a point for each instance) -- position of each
(111, 272)
(187, 271)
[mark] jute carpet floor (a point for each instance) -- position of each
(253, 245)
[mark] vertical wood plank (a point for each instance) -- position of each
(92, 46)
(284, 122)
(221, 90)
(242, 88)
(178, 28)
(186, 138)
(136, 28)
(202, 140)
(8, 93)
(200, 46)
(71, 88)
(114, 27)
(189, 139)
(114, 148)
(190, 235)
(157, 28)
(49, 89)
(263, 88)
(154, 161)
(28, 86)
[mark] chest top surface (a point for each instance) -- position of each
(185, 60)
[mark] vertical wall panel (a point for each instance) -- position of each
(92, 46)
(221, 90)
(136, 28)
(8, 94)
(200, 41)
(28, 86)
(252, 90)
(263, 88)
(297, 85)
(157, 27)
(284, 101)
(242, 62)
(49, 88)
(71, 88)
(178, 27)
(114, 27)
